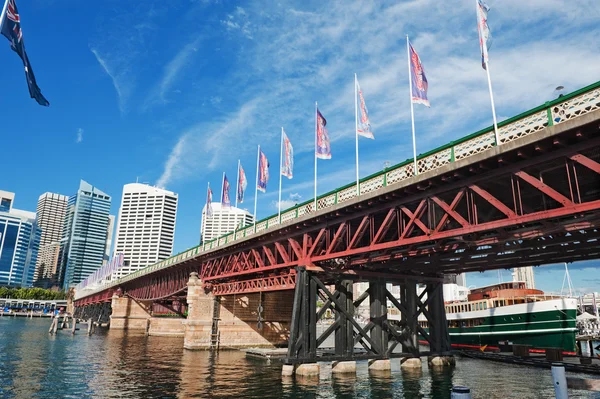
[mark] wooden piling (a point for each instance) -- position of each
(89, 326)
(73, 326)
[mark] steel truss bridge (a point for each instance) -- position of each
(472, 205)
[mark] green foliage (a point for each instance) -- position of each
(31, 294)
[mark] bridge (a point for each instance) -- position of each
(533, 198)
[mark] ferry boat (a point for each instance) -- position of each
(509, 313)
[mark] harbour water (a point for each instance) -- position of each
(111, 364)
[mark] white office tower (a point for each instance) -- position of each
(146, 226)
(51, 209)
(223, 220)
(524, 274)
(109, 239)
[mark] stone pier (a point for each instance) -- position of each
(129, 314)
(238, 318)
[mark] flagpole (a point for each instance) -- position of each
(221, 205)
(256, 186)
(412, 110)
(487, 69)
(237, 186)
(316, 121)
(2, 14)
(356, 131)
(205, 215)
(280, 174)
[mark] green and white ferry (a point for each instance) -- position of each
(509, 313)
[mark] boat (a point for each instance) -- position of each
(501, 315)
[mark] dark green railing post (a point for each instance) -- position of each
(549, 113)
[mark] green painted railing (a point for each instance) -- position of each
(551, 113)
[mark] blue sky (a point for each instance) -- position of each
(173, 93)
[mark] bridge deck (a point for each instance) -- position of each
(553, 119)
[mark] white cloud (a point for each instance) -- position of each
(119, 81)
(292, 200)
(302, 55)
(79, 138)
(174, 66)
(172, 163)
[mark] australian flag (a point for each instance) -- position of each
(11, 28)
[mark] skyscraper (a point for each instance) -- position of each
(51, 210)
(223, 220)
(146, 226)
(19, 243)
(524, 274)
(85, 231)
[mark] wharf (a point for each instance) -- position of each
(571, 363)
(266, 353)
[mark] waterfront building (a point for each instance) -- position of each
(19, 243)
(109, 239)
(51, 209)
(146, 226)
(524, 274)
(84, 237)
(223, 220)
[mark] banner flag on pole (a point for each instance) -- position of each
(418, 79)
(364, 125)
(226, 199)
(10, 21)
(263, 172)
(485, 36)
(287, 167)
(323, 150)
(209, 196)
(242, 184)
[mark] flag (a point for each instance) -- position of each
(242, 184)
(225, 199)
(209, 210)
(287, 169)
(418, 79)
(323, 149)
(11, 29)
(364, 125)
(263, 172)
(485, 36)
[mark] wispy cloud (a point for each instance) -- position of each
(79, 138)
(171, 72)
(172, 163)
(292, 200)
(118, 80)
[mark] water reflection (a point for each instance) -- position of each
(115, 364)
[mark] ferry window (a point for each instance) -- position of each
(485, 305)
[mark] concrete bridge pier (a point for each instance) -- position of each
(236, 321)
(129, 314)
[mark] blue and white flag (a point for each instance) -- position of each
(485, 36)
(209, 195)
(287, 167)
(263, 172)
(11, 29)
(323, 145)
(364, 124)
(418, 79)
(241, 184)
(225, 199)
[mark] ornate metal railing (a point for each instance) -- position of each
(551, 113)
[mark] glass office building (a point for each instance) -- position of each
(19, 243)
(85, 232)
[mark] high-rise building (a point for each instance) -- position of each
(146, 226)
(524, 274)
(19, 243)
(109, 239)
(85, 231)
(51, 210)
(223, 220)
